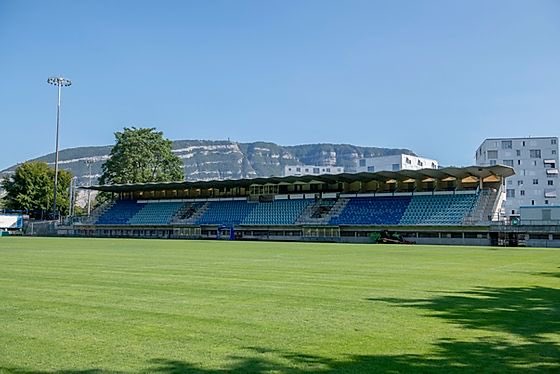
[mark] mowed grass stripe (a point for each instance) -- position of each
(205, 307)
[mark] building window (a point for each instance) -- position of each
(535, 153)
(298, 169)
(554, 151)
(492, 154)
(306, 170)
(420, 163)
(395, 167)
(316, 171)
(508, 163)
(363, 162)
(518, 153)
(492, 162)
(546, 202)
(510, 192)
(408, 161)
(328, 170)
(550, 193)
(523, 143)
(518, 162)
(532, 202)
(550, 183)
(553, 141)
(522, 192)
(535, 181)
(520, 183)
(506, 144)
(371, 169)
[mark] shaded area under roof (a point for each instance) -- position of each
(382, 176)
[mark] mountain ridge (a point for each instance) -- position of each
(225, 159)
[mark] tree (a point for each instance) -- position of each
(31, 188)
(140, 156)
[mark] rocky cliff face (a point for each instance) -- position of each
(205, 160)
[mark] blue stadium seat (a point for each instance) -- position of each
(120, 213)
(438, 209)
(278, 212)
(226, 212)
(386, 210)
(447, 209)
(156, 213)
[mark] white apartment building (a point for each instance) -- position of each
(395, 163)
(535, 161)
(299, 170)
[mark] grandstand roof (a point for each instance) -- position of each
(382, 176)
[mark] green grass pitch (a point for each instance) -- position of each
(95, 306)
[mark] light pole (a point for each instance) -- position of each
(59, 82)
(71, 208)
(88, 163)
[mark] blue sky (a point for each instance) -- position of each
(434, 76)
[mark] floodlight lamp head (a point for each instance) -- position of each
(59, 81)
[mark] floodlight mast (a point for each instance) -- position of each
(88, 163)
(59, 82)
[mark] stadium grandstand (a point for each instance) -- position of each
(437, 206)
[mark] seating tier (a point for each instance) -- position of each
(279, 212)
(226, 212)
(120, 213)
(438, 209)
(156, 213)
(449, 209)
(387, 210)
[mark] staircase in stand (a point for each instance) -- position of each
(321, 212)
(98, 212)
(189, 213)
(482, 212)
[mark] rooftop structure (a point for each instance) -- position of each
(395, 163)
(443, 179)
(299, 170)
